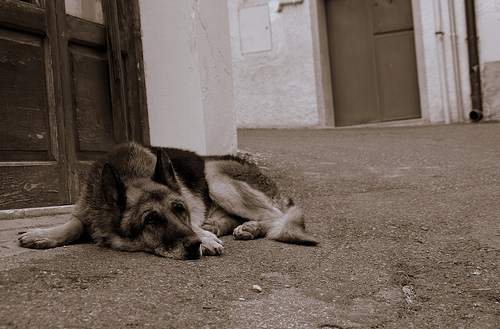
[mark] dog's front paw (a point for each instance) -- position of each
(36, 239)
(211, 226)
(211, 245)
(248, 231)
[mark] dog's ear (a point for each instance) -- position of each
(164, 171)
(113, 189)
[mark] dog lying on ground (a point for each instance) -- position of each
(174, 203)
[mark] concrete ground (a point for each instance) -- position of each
(408, 220)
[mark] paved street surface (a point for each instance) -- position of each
(409, 224)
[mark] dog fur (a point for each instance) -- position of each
(174, 203)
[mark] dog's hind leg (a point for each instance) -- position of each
(236, 199)
(288, 228)
(220, 222)
(44, 238)
(268, 213)
(250, 230)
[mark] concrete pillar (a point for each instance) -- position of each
(189, 85)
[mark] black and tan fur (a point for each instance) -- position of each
(174, 203)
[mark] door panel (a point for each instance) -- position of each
(94, 116)
(29, 185)
(352, 57)
(92, 103)
(373, 62)
(57, 110)
(29, 170)
(389, 15)
(23, 15)
(399, 97)
(85, 32)
(23, 94)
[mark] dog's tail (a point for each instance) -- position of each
(290, 228)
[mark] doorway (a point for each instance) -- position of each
(372, 60)
(72, 87)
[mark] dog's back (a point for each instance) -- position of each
(189, 168)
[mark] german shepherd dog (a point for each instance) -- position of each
(174, 203)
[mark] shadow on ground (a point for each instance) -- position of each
(408, 220)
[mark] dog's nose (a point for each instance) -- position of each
(192, 244)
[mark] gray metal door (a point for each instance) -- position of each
(372, 55)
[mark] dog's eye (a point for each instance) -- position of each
(152, 218)
(179, 209)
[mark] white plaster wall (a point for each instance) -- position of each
(463, 90)
(321, 58)
(215, 65)
(488, 27)
(442, 60)
(187, 62)
(275, 88)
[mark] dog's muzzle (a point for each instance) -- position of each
(192, 245)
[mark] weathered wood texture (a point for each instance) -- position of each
(27, 185)
(92, 103)
(85, 32)
(22, 16)
(130, 27)
(24, 124)
(70, 90)
(116, 80)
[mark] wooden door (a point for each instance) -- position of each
(70, 89)
(372, 55)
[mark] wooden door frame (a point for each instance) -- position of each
(39, 21)
(119, 43)
(66, 180)
(121, 35)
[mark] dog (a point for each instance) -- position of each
(174, 203)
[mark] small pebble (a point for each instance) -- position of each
(241, 299)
